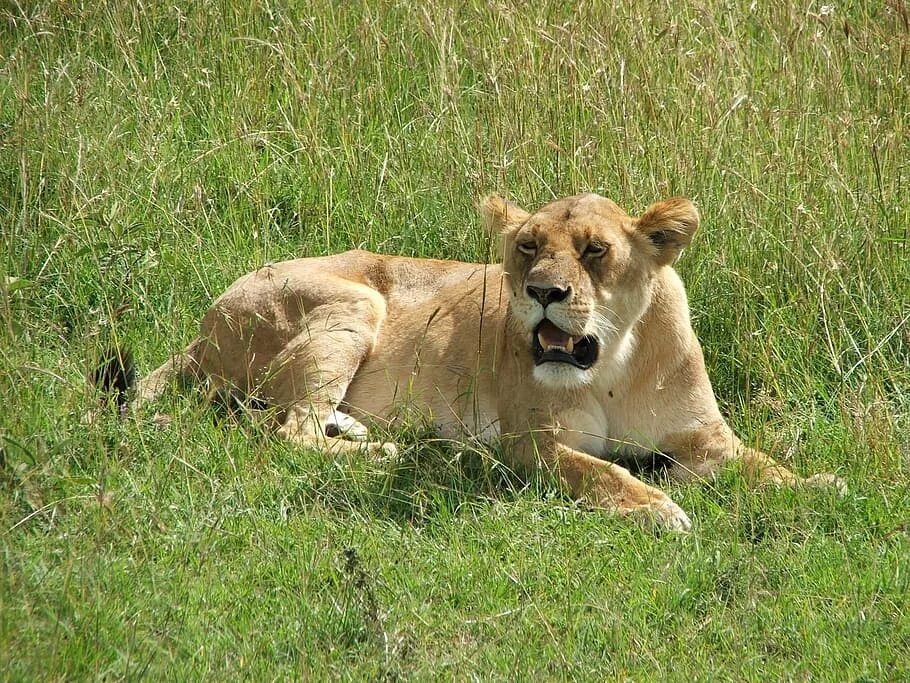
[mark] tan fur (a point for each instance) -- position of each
(365, 336)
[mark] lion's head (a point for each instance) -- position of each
(579, 273)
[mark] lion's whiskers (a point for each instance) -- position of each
(604, 329)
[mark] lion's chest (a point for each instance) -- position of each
(585, 429)
(599, 431)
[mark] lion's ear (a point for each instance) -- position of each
(669, 227)
(500, 215)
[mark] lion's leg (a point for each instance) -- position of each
(310, 376)
(702, 452)
(600, 483)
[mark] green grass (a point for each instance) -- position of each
(149, 155)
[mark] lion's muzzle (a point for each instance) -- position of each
(554, 345)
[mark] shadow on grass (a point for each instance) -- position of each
(434, 480)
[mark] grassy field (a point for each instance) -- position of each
(150, 154)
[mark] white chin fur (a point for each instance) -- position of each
(562, 376)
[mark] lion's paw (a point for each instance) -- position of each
(344, 426)
(383, 451)
(827, 480)
(663, 514)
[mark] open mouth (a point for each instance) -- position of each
(553, 345)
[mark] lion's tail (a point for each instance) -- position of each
(115, 375)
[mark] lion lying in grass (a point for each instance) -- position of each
(577, 348)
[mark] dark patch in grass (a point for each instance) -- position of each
(115, 375)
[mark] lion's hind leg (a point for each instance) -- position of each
(309, 377)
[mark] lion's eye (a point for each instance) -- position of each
(529, 248)
(595, 250)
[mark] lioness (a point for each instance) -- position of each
(578, 347)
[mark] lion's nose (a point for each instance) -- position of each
(547, 295)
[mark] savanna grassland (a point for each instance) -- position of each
(152, 152)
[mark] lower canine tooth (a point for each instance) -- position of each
(570, 346)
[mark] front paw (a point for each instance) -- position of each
(662, 514)
(827, 480)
